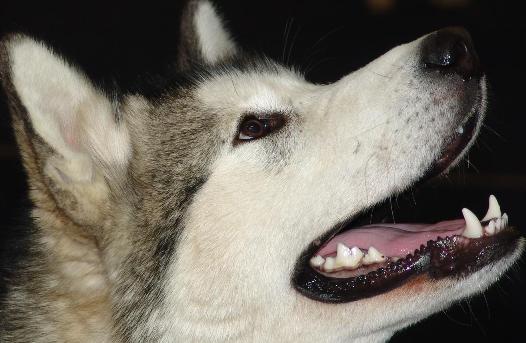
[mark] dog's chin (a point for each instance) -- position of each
(363, 257)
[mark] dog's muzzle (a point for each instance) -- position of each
(361, 258)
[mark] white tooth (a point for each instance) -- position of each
(490, 229)
(348, 258)
(317, 261)
(498, 225)
(473, 228)
(493, 209)
(504, 220)
(343, 255)
(342, 250)
(460, 130)
(330, 264)
(357, 256)
(373, 256)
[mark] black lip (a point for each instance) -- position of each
(448, 257)
(454, 148)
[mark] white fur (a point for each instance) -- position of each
(345, 147)
(214, 40)
(74, 118)
(348, 146)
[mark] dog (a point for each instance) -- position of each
(227, 203)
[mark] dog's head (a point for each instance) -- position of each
(226, 203)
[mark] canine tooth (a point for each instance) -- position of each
(473, 228)
(493, 209)
(498, 225)
(330, 264)
(490, 229)
(317, 261)
(373, 256)
(460, 130)
(504, 220)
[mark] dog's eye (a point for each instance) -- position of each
(253, 127)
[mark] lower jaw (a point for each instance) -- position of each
(451, 257)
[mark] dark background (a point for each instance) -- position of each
(114, 43)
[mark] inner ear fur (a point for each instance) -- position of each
(66, 129)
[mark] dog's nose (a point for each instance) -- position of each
(451, 50)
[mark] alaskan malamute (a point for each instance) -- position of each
(227, 204)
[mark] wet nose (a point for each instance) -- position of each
(451, 51)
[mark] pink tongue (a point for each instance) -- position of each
(394, 240)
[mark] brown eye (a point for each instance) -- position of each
(253, 127)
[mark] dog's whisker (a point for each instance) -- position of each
(288, 28)
(493, 131)
(312, 66)
(292, 45)
(325, 37)
(453, 320)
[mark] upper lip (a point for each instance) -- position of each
(451, 152)
(454, 148)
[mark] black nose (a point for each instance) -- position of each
(451, 50)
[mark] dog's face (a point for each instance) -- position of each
(211, 199)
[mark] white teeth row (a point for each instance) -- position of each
(352, 258)
(347, 258)
(497, 222)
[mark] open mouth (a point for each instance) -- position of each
(364, 258)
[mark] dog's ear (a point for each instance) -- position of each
(68, 131)
(204, 38)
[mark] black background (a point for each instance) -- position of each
(116, 42)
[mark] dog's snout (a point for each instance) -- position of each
(451, 50)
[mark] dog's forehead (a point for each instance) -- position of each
(258, 90)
